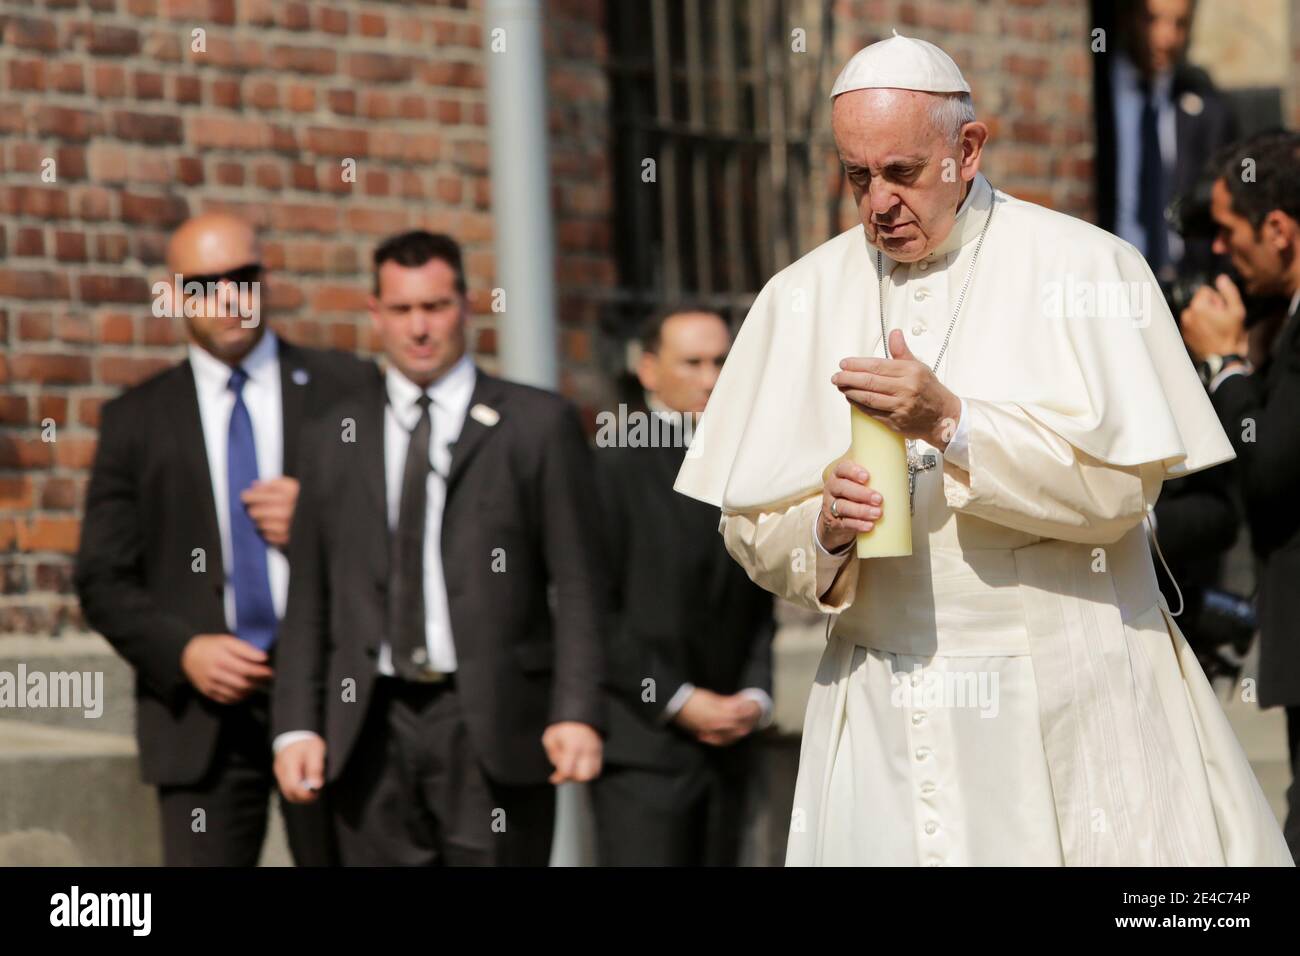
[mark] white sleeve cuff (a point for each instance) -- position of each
(1226, 374)
(291, 737)
(828, 562)
(958, 450)
(764, 700)
(676, 702)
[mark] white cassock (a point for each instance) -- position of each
(1016, 691)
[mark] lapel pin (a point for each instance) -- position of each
(301, 376)
(1191, 104)
(484, 415)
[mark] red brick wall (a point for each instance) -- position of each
(144, 132)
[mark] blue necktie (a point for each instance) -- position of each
(255, 620)
(1151, 183)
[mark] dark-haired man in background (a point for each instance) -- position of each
(690, 673)
(444, 623)
(182, 565)
(1256, 390)
(1159, 120)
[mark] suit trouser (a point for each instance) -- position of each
(665, 818)
(1291, 829)
(414, 793)
(234, 798)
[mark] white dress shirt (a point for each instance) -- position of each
(263, 399)
(449, 402)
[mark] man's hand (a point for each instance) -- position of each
(270, 504)
(300, 770)
(902, 392)
(857, 507)
(1214, 322)
(575, 750)
(224, 668)
(718, 719)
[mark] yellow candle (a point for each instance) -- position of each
(882, 451)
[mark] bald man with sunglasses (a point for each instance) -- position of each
(182, 565)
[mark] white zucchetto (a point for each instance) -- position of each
(901, 63)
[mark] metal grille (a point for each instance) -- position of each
(735, 121)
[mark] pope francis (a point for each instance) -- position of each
(1014, 691)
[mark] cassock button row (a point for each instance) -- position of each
(923, 265)
(918, 329)
(918, 718)
(920, 295)
(928, 788)
(922, 753)
(931, 827)
(934, 862)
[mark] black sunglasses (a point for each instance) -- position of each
(239, 275)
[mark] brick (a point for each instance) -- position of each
(332, 20)
(35, 326)
(154, 210)
(127, 370)
(110, 247)
(263, 94)
(29, 33)
(372, 25)
(65, 77)
(33, 284)
(153, 128)
(13, 410)
(26, 75)
(225, 94)
(29, 241)
(339, 298)
(69, 246)
(60, 494)
(302, 217)
(50, 368)
(93, 288)
(186, 89)
(65, 123)
(105, 40)
(75, 453)
(293, 15)
(115, 328)
(301, 98)
(16, 493)
(148, 85)
(93, 203)
(109, 81)
(379, 68)
(52, 408)
(338, 141)
(303, 59)
(70, 163)
(74, 328)
(189, 170)
(25, 453)
(49, 533)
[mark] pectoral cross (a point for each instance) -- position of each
(917, 463)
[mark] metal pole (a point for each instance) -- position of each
(525, 260)
(521, 190)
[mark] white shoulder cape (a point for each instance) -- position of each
(1117, 385)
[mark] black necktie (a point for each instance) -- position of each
(406, 585)
(1151, 183)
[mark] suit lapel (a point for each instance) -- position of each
(183, 408)
(294, 377)
(489, 394)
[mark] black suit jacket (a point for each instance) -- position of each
(1268, 463)
(527, 638)
(1197, 136)
(685, 611)
(149, 506)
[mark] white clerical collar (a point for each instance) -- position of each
(971, 215)
(451, 391)
(261, 364)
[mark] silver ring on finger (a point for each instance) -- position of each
(835, 508)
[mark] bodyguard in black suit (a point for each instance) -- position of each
(180, 579)
(1159, 120)
(690, 672)
(1256, 391)
(442, 641)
